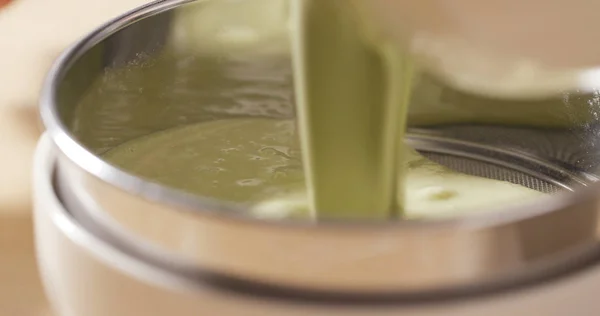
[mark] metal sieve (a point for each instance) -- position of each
(172, 63)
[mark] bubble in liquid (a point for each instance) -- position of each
(249, 182)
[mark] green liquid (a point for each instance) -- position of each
(352, 96)
(352, 92)
(258, 162)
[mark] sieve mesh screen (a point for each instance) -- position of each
(488, 170)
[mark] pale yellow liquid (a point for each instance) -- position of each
(257, 162)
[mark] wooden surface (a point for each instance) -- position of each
(32, 35)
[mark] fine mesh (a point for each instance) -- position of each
(487, 170)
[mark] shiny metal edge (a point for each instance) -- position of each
(95, 166)
(175, 278)
(178, 204)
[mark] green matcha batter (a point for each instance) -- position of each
(345, 159)
(258, 162)
(351, 98)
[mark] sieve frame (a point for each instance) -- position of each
(496, 247)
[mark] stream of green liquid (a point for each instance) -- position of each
(352, 96)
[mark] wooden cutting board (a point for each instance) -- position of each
(32, 34)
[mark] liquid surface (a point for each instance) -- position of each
(258, 162)
(351, 97)
(433, 115)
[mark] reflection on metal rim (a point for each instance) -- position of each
(413, 256)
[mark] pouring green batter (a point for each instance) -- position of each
(352, 96)
(344, 158)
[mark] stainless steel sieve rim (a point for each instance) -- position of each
(95, 166)
(227, 219)
(115, 254)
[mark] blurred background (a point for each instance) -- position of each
(33, 33)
